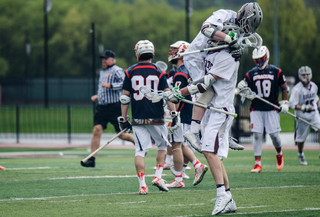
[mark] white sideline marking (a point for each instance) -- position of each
(88, 195)
(195, 204)
(99, 177)
(275, 211)
(33, 168)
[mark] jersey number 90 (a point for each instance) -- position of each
(138, 81)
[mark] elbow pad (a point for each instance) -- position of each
(125, 99)
(209, 30)
(286, 89)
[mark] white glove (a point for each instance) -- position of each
(167, 116)
(173, 95)
(306, 108)
(175, 124)
(242, 84)
(284, 106)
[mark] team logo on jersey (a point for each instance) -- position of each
(261, 77)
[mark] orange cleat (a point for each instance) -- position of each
(256, 169)
(279, 161)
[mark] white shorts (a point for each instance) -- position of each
(215, 131)
(177, 136)
(302, 129)
(142, 138)
(265, 119)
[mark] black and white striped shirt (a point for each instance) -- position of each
(114, 76)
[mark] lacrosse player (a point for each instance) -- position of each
(109, 106)
(213, 33)
(265, 79)
(147, 117)
(223, 72)
(180, 149)
(304, 99)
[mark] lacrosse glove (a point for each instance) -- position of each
(306, 108)
(242, 84)
(173, 95)
(284, 106)
(123, 124)
(175, 124)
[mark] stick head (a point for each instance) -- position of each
(150, 94)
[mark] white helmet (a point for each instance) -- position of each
(249, 17)
(177, 48)
(261, 57)
(142, 47)
(305, 74)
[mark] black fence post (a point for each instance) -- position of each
(17, 124)
(69, 123)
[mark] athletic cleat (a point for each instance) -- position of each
(185, 176)
(188, 167)
(2, 168)
(199, 174)
(279, 161)
(230, 207)
(175, 184)
(143, 190)
(89, 163)
(233, 145)
(302, 160)
(159, 182)
(194, 140)
(166, 166)
(256, 169)
(221, 203)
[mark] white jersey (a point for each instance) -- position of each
(222, 64)
(302, 95)
(194, 62)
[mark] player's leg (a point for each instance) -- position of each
(169, 159)
(257, 127)
(176, 140)
(272, 126)
(301, 134)
(142, 145)
(159, 134)
(193, 136)
(200, 169)
(215, 146)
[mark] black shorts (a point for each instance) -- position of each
(108, 113)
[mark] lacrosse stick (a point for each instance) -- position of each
(163, 66)
(101, 147)
(157, 96)
(252, 40)
(246, 92)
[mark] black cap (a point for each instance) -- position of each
(108, 53)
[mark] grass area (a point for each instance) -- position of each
(61, 187)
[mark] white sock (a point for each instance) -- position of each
(196, 163)
(159, 169)
(142, 181)
(168, 159)
(178, 176)
(221, 191)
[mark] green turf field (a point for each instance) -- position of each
(61, 187)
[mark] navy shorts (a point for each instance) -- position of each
(108, 113)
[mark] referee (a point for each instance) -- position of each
(109, 106)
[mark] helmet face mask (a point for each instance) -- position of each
(143, 47)
(305, 74)
(249, 17)
(261, 57)
(175, 49)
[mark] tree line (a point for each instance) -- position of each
(120, 24)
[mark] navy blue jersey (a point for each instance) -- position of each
(265, 83)
(180, 79)
(150, 75)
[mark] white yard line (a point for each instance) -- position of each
(88, 195)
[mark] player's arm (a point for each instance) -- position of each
(94, 98)
(211, 31)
